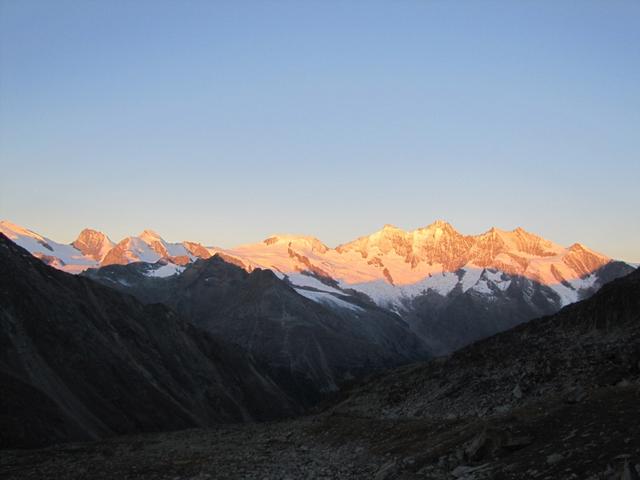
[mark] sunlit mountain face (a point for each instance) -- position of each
(390, 265)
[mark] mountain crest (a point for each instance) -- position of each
(149, 235)
(409, 258)
(297, 241)
(93, 243)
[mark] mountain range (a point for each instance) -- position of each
(451, 289)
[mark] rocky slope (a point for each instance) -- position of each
(320, 346)
(82, 361)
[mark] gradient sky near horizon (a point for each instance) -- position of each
(225, 122)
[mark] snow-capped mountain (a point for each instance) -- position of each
(61, 256)
(450, 287)
(392, 265)
(150, 247)
(93, 249)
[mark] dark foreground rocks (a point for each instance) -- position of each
(596, 438)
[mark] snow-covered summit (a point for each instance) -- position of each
(59, 255)
(150, 247)
(392, 264)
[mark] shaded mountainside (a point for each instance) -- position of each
(82, 361)
(585, 346)
(556, 399)
(498, 302)
(318, 345)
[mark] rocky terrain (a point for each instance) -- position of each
(595, 439)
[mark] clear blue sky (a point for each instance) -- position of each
(224, 122)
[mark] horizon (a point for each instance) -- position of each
(226, 122)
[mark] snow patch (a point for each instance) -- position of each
(301, 280)
(328, 298)
(165, 271)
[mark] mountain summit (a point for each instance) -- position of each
(93, 243)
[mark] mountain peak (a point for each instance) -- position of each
(89, 233)
(440, 224)
(149, 235)
(438, 227)
(301, 241)
(93, 243)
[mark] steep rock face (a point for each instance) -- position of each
(82, 361)
(438, 243)
(321, 343)
(93, 244)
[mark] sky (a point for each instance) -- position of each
(226, 122)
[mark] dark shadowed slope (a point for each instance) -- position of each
(585, 346)
(81, 361)
(450, 322)
(320, 346)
